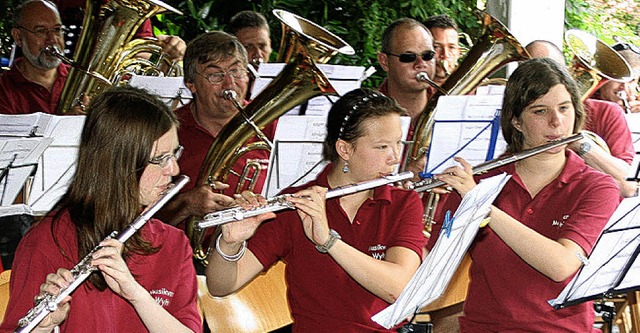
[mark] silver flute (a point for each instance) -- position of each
(280, 202)
(430, 183)
(48, 303)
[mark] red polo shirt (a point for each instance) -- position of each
(607, 120)
(505, 293)
(168, 275)
(322, 296)
(21, 96)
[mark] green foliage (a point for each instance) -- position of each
(359, 22)
(602, 20)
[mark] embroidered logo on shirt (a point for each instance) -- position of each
(377, 251)
(560, 223)
(162, 296)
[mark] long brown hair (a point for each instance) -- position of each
(116, 143)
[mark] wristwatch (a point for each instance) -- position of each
(585, 147)
(333, 237)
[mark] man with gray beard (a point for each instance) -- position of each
(35, 81)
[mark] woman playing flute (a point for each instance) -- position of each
(346, 258)
(546, 219)
(128, 154)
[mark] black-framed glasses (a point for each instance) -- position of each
(42, 32)
(215, 78)
(621, 46)
(164, 160)
(411, 57)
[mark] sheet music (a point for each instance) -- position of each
(18, 158)
(609, 257)
(463, 127)
(633, 120)
(24, 125)
(57, 165)
(432, 277)
(343, 79)
(171, 90)
(297, 155)
(17, 209)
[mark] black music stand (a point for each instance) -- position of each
(613, 267)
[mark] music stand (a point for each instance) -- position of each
(613, 267)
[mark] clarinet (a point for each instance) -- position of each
(280, 202)
(48, 303)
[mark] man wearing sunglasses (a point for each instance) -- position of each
(407, 49)
(626, 94)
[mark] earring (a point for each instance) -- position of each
(345, 168)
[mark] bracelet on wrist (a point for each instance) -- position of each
(333, 237)
(227, 257)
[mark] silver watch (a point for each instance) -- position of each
(333, 237)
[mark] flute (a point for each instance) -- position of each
(48, 303)
(430, 183)
(280, 202)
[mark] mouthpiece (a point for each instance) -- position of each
(230, 95)
(424, 77)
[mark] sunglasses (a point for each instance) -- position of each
(626, 46)
(411, 57)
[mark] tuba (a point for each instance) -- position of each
(107, 28)
(495, 48)
(303, 45)
(593, 61)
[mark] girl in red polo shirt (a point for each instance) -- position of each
(546, 218)
(127, 156)
(346, 258)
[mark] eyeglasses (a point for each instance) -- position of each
(411, 57)
(215, 78)
(42, 33)
(164, 160)
(621, 46)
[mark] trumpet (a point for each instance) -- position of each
(280, 202)
(48, 303)
(429, 183)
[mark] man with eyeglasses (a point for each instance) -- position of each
(407, 49)
(445, 42)
(214, 62)
(35, 81)
(626, 94)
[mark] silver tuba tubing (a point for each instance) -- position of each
(430, 183)
(280, 202)
(48, 303)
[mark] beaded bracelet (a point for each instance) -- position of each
(234, 257)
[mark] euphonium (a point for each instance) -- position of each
(299, 81)
(494, 48)
(593, 61)
(107, 28)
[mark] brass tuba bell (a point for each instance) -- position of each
(593, 61)
(303, 45)
(107, 28)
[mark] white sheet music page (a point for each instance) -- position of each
(18, 158)
(57, 165)
(609, 257)
(342, 78)
(463, 127)
(432, 277)
(24, 125)
(297, 154)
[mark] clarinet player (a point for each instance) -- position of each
(346, 258)
(546, 219)
(127, 157)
